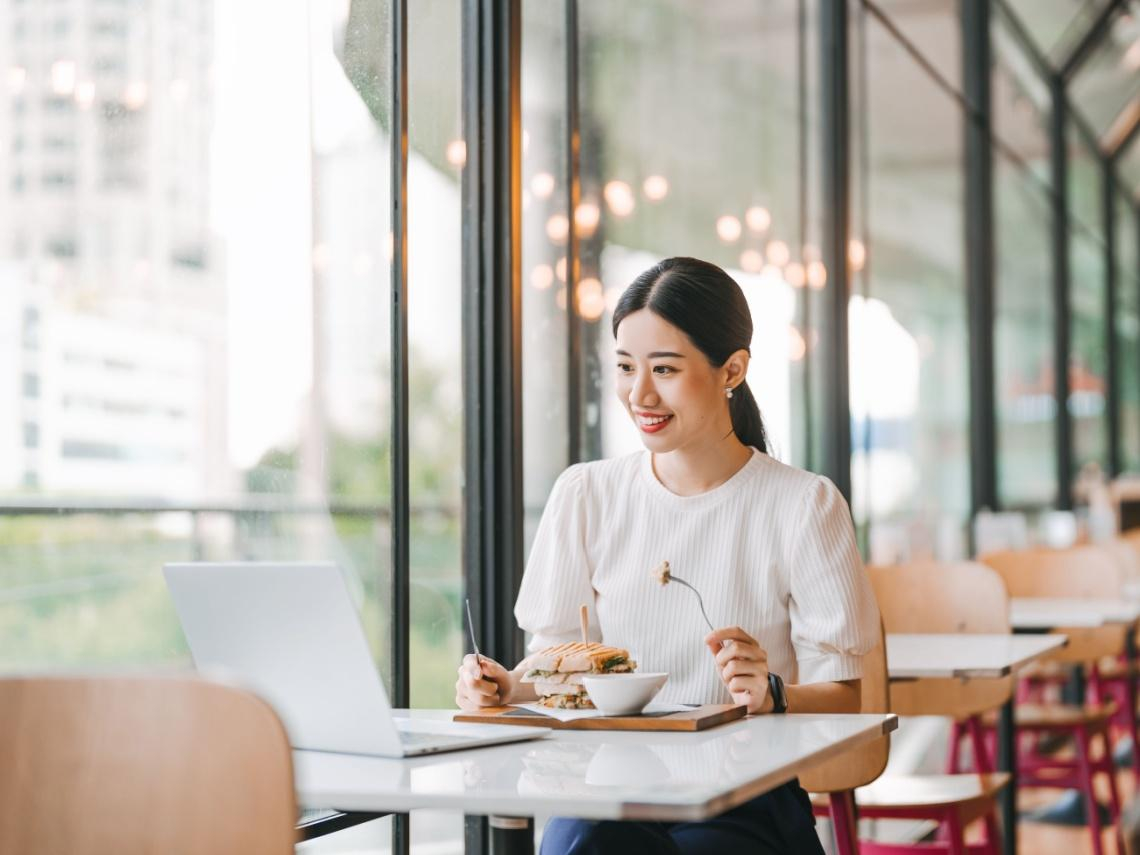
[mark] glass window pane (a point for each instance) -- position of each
(933, 28)
(545, 205)
(192, 261)
(695, 151)
(1128, 167)
(436, 157)
(1024, 386)
(1088, 352)
(1085, 183)
(1107, 80)
(1127, 315)
(909, 379)
(1057, 26)
(1021, 101)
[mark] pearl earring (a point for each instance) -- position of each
(728, 392)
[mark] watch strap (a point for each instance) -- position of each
(776, 690)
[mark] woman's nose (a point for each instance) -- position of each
(642, 393)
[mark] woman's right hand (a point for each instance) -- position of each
(482, 682)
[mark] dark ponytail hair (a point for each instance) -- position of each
(707, 305)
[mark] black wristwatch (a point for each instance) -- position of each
(776, 690)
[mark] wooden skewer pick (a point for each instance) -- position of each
(584, 618)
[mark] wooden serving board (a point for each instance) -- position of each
(698, 718)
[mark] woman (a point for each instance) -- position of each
(770, 547)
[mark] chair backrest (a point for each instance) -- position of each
(933, 597)
(936, 597)
(864, 764)
(1079, 572)
(95, 766)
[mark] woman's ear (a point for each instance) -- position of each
(736, 368)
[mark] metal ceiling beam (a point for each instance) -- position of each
(1091, 40)
(1025, 41)
(1124, 138)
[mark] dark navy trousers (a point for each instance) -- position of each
(779, 822)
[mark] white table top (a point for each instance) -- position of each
(964, 654)
(591, 774)
(1047, 613)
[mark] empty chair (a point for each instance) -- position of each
(107, 766)
(838, 778)
(933, 597)
(853, 783)
(1080, 572)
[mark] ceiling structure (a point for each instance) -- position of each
(1095, 46)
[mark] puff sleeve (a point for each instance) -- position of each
(558, 573)
(833, 615)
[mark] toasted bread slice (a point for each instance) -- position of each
(576, 656)
(536, 676)
(596, 658)
(567, 702)
(547, 658)
(543, 688)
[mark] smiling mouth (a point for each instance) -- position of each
(652, 424)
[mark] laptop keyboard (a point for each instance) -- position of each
(412, 738)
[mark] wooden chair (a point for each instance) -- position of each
(1078, 572)
(104, 766)
(931, 597)
(954, 801)
(839, 778)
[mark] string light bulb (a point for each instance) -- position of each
(795, 275)
(777, 253)
(457, 153)
(728, 228)
(619, 197)
(816, 275)
(591, 301)
(558, 228)
(751, 261)
(655, 188)
(542, 185)
(542, 277)
(758, 218)
(586, 217)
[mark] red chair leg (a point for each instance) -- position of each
(1109, 769)
(953, 767)
(993, 838)
(955, 834)
(1084, 760)
(844, 823)
(982, 762)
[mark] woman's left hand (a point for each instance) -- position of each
(743, 666)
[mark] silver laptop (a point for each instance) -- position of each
(291, 633)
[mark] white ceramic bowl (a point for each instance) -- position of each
(623, 694)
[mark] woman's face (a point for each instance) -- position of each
(674, 396)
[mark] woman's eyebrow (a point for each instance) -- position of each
(657, 354)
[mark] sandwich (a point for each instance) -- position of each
(557, 671)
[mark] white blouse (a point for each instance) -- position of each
(772, 550)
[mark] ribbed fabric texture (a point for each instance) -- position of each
(772, 550)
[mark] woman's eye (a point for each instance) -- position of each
(624, 367)
(662, 369)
